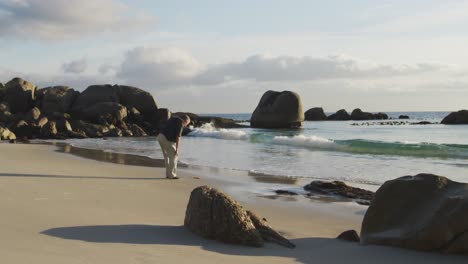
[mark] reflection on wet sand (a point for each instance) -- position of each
(265, 178)
(119, 158)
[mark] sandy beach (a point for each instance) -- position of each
(61, 208)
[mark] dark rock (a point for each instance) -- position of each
(107, 112)
(49, 130)
(423, 212)
(218, 122)
(381, 116)
(90, 130)
(19, 94)
(76, 134)
(267, 232)
(142, 100)
(137, 131)
(350, 235)
(315, 114)
(403, 117)
(134, 116)
(339, 188)
(358, 114)
(422, 123)
(113, 132)
(162, 115)
(278, 110)
(23, 129)
(32, 116)
(214, 215)
(63, 125)
(4, 107)
(6, 117)
(57, 99)
(456, 118)
(95, 94)
(285, 192)
(2, 91)
(340, 115)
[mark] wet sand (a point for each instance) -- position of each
(62, 208)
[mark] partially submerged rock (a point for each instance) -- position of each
(315, 114)
(278, 110)
(423, 212)
(338, 188)
(456, 118)
(340, 115)
(214, 215)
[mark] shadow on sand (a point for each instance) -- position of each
(308, 250)
(24, 175)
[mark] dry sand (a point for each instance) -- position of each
(59, 208)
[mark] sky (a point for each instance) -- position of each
(220, 56)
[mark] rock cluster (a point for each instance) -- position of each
(27, 111)
(317, 114)
(214, 215)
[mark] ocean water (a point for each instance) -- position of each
(361, 152)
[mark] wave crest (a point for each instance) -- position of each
(208, 130)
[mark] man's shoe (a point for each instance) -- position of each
(173, 178)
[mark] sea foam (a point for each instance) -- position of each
(306, 141)
(208, 130)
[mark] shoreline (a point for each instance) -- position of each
(61, 208)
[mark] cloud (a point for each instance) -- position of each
(167, 67)
(153, 66)
(60, 19)
(287, 68)
(77, 66)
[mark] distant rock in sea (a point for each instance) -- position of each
(340, 115)
(315, 114)
(278, 110)
(403, 117)
(456, 118)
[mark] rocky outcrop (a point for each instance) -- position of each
(278, 110)
(340, 115)
(423, 212)
(90, 130)
(19, 94)
(338, 188)
(2, 91)
(456, 118)
(214, 215)
(315, 114)
(403, 117)
(49, 130)
(380, 116)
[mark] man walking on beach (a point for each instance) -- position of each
(169, 139)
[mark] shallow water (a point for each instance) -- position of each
(354, 151)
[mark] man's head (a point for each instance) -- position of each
(186, 120)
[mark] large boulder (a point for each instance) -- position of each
(135, 97)
(49, 130)
(58, 99)
(95, 94)
(456, 118)
(19, 94)
(358, 114)
(340, 115)
(32, 116)
(104, 112)
(278, 110)
(315, 114)
(423, 212)
(381, 116)
(214, 215)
